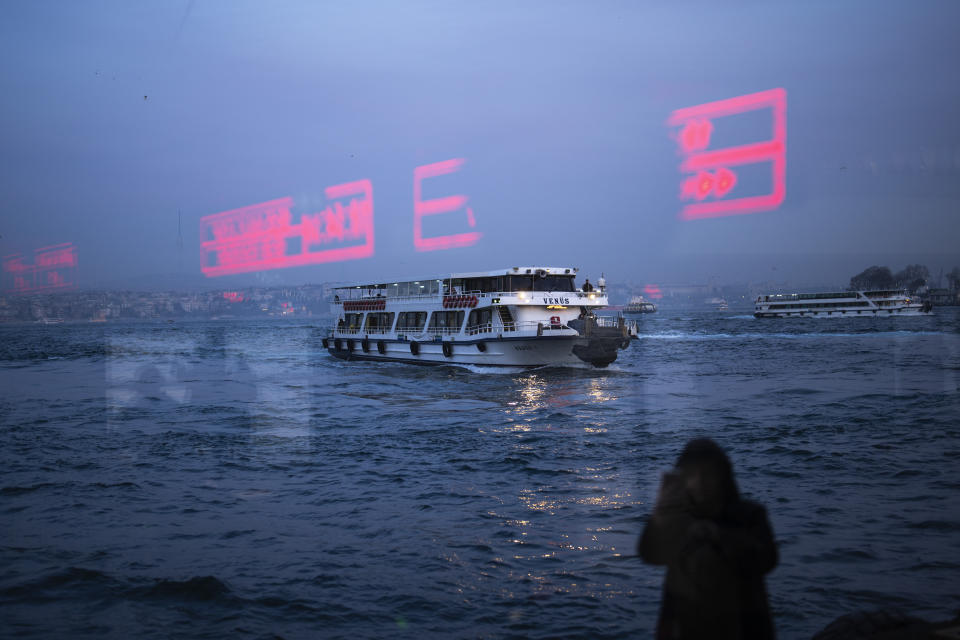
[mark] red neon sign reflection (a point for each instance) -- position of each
(52, 269)
(709, 176)
(263, 236)
(438, 206)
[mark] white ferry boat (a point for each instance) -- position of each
(522, 316)
(717, 304)
(839, 305)
(638, 304)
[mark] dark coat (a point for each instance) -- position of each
(715, 567)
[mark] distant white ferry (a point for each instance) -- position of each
(638, 304)
(843, 304)
(718, 304)
(522, 316)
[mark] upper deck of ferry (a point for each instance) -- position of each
(516, 282)
(839, 295)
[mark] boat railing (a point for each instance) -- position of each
(608, 321)
(512, 327)
(481, 295)
(377, 330)
(419, 296)
(474, 329)
(533, 327)
(887, 293)
(430, 333)
(442, 331)
(349, 330)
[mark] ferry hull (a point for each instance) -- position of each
(853, 313)
(492, 352)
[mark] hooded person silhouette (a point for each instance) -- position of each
(717, 547)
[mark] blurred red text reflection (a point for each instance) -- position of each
(52, 269)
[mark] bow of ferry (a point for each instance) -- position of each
(522, 316)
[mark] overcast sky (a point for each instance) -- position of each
(118, 115)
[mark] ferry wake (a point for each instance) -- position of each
(516, 317)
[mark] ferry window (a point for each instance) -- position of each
(379, 321)
(553, 283)
(480, 317)
(520, 283)
(353, 320)
(483, 285)
(453, 286)
(411, 320)
(491, 285)
(446, 320)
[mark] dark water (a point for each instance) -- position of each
(232, 480)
